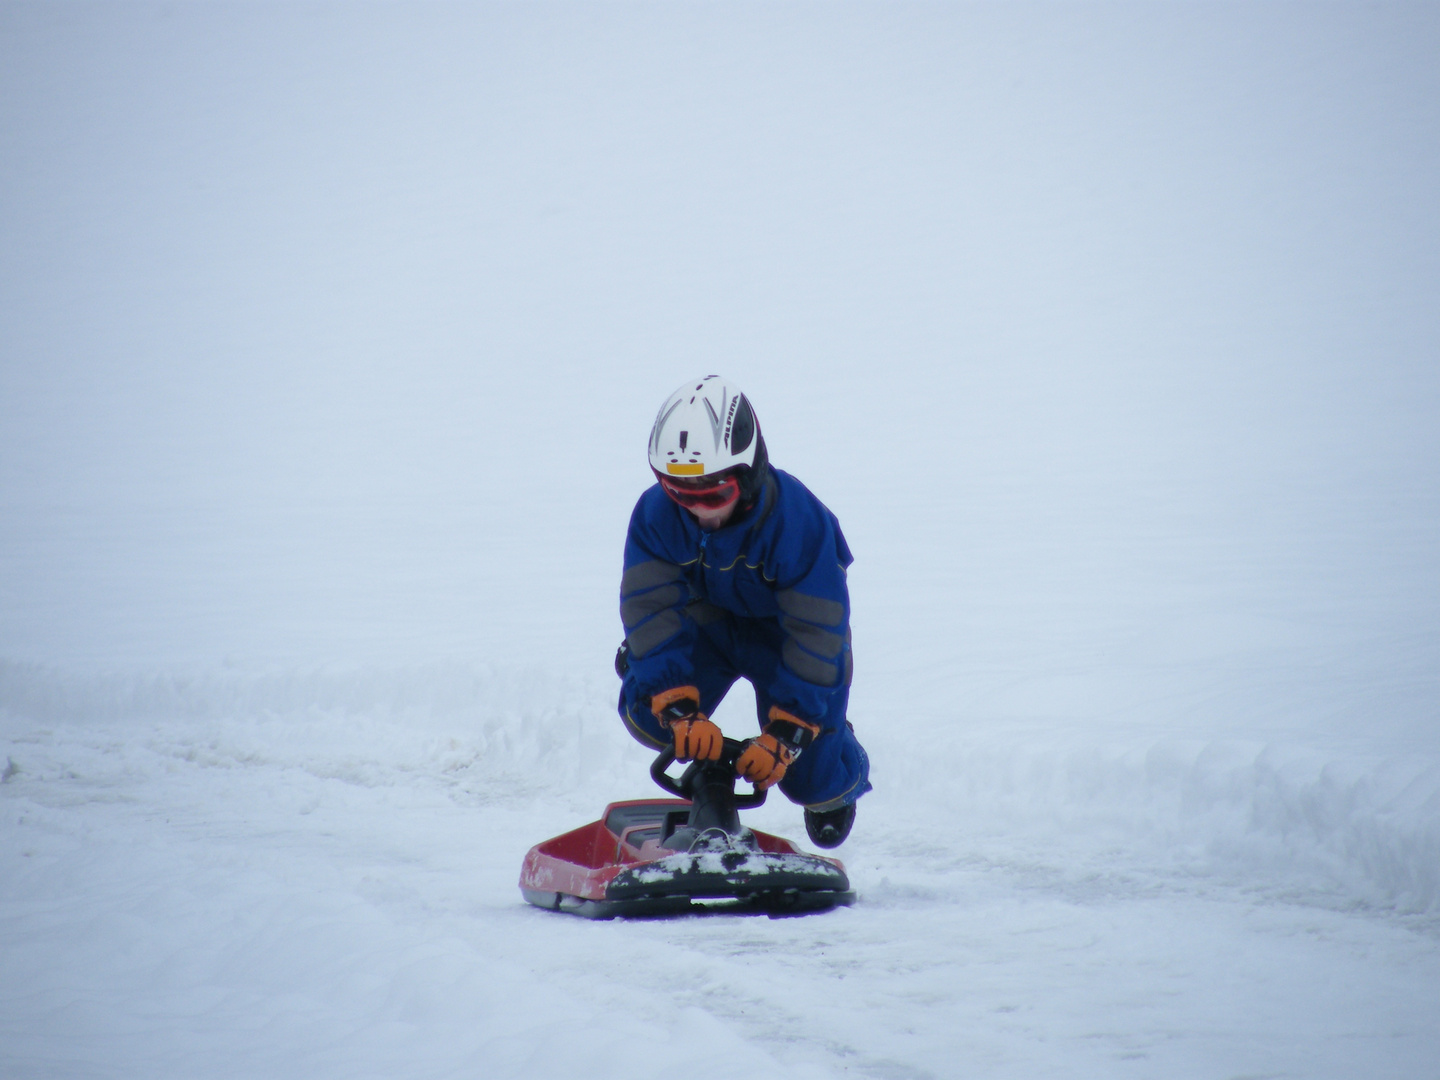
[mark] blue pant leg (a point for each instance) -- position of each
(835, 769)
(639, 720)
(714, 675)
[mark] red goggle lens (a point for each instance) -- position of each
(709, 492)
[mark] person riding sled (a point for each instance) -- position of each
(733, 569)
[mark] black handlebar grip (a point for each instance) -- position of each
(730, 751)
(661, 777)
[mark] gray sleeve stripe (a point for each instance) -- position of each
(813, 609)
(656, 632)
(810, 668)
(647, 575)
(640, 607)
(826, 643)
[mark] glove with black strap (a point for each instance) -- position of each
(678, 709)
(766, 757)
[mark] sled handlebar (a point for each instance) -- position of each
(730, 751)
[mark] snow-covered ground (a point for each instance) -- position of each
(329, 341)
(305, 876)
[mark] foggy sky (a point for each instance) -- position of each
(336, 332)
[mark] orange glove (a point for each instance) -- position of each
(766, 757)
(695, 736)
(764, 760)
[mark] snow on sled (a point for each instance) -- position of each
(680, 856)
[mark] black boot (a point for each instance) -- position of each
(829, 828)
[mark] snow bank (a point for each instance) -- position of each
(1285, 820)
(471, 727)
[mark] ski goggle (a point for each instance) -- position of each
(703, 492)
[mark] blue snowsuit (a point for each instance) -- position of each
(763, 598)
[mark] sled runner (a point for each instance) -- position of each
(680, 856)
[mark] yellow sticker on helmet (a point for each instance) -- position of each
(676, 469)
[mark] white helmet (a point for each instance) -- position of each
(705, 428)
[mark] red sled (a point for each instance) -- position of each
(689, 855)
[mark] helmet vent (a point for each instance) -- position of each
(684, 438)
(742, 431)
